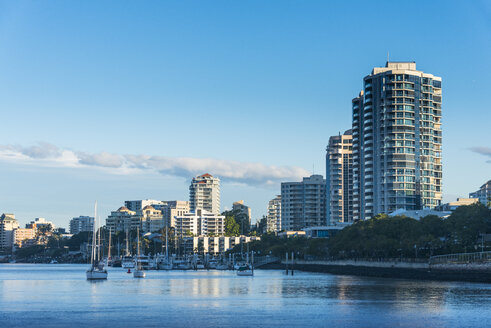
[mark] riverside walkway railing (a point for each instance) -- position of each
(263, 260)
(458, 258)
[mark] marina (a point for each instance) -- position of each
(43, 295)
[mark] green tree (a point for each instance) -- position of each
(231, 227)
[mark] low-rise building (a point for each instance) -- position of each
(324, 232)
(24, 237)
(292, 233)
(418, 214)
(459, 202)
(214, 245)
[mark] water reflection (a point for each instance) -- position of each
(221, 298)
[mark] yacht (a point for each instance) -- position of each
(96, 270)
(138, 273)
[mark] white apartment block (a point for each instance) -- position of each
(303, 204)
(200, 223)
(174, 208)
(273, 218)
(483, 194)
(204, 193)
(214, 245)
(8, 224)
(81, 224)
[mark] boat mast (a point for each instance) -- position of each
(138, 248)
(92, 256)
(166, 246)
(109, 250)
(127, 247)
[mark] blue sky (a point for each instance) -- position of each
(113, 100)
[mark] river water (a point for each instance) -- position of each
(58, 295)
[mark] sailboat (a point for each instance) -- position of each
(96, 270)
(128, 262)
(138, 273)
(246, 269)
(166, 263)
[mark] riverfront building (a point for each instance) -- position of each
(24, 237)
(81, 224)
(200, 223)
(483, 194)
(273, 219)
(123, 219)
(213, 245)
(8, 224)
(174, 208)
(303, 204)
(397, 141)
(339, 179)
(241, 211)
(204, 193)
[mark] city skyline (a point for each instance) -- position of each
(140, 101)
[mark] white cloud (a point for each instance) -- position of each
(45, 154)
(486, 151)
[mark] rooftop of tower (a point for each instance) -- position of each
(401, 65)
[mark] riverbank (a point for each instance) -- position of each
(398, 270)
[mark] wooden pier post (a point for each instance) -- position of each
(292, 264)
(286, 263)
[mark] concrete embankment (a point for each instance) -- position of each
(402, 270)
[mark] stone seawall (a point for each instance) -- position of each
(403, 270)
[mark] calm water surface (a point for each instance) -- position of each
(58, 295)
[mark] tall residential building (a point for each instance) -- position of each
(81, 224)
(204, 193)
(483, 194)
(339, 179)
(8, 224)
(397, 141)
(273, 219)
(303, 204)
(200, 223)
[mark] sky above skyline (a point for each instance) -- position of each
(115, 101)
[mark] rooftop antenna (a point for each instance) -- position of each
(313, 171)
(387, 56)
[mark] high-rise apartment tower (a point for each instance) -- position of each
(204, 193)
(397, 141)
(339, 179)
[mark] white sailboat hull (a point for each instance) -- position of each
(245, 273)
(139, 274)
(96, 275)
